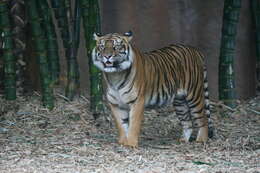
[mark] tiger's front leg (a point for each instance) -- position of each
(121, 117)
(135, 121)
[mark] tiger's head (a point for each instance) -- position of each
(113, 52)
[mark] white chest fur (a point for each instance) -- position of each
(121, 97)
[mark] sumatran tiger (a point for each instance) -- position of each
(172, 75)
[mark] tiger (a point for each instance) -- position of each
(173, 75)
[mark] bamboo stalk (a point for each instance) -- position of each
(73, 71)
(91, 24)
(62, 11)
(227, 90)
(8, 56)
(17, 14)
(39, 39)
(256, 18)
(63, 14)
(52, 46)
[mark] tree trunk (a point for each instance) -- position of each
(227, 91)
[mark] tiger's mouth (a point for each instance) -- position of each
(108, 64)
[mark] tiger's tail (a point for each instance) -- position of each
(207, 105)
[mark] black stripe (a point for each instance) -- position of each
(182, 112)
(125, 120)
(175, 50)
(198, 111)
(128, 52)
(185, 118)
(112, 96)
(132, 101)
(196, 118)
(158, 90)
(126, 79)
(194, 104)
(131, 87)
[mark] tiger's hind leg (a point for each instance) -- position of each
(121, 117)
(183, 114)
(199, 119)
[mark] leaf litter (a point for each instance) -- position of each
(69, 140)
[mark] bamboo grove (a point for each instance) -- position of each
(21, 19)
(41, 29)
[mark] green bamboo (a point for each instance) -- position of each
(52, 45)
(91, 24)
(227, 90)
(39, 39)
(76, 35)
(17, 14)
(76, 28)
(73, 72)
(61, 16)
(62, 11)
(256, 18)
(8, 56)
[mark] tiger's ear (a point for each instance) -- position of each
(128, 35)
(96, 36)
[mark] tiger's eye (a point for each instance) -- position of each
(118, 47)
(101, 46)
(122, 48)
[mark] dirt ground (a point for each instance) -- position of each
(69, 140)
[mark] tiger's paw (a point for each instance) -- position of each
(133, 143)
(202, 139)
(202, 136)
(183, 140)
(186, 135)
(122, 140)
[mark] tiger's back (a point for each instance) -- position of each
(170, 71)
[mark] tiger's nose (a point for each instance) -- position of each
(108, 56)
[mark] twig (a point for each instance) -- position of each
(64, 97)
(36, 93)
(24, 131)
(84, 98)
(82, 119)
(105, 169)
(223, 105)
(158, 147)
(24, 155)
(257, 112)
